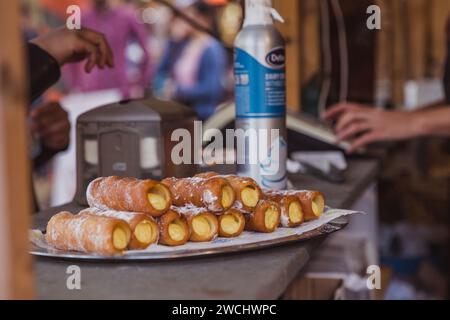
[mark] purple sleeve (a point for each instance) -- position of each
(141, 33)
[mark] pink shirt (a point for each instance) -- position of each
(119, 25)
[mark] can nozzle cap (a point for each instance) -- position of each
(276, 15)
(261, 12)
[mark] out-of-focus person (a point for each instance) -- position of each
(194, 65)
(48, 121)
(120, 26)
(366, 125)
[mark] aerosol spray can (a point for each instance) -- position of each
(260, 89)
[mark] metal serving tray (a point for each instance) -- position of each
(246, 242)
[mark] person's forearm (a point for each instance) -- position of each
(43, 70)
(432, 106)
(431, 122)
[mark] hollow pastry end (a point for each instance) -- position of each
(227, 196)
(202, 226)
(250, 196)
(271, 217)
(120, 237)
(230, 224)
(176, 230)
(318, 205)
(295, 212)
(146, 232)
(158, 196)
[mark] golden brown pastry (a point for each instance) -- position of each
(214, 194)
(173, 229)
(231, 223)
(265, 218)
(247, 191)
(129, 194)
(291, 209)
(313, 202)
(203, 225)
(144, 229)
(88, 233)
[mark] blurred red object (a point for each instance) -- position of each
(217, 2)
(59, 7)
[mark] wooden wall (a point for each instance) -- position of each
(411, 44)
(290, 11)
(15, 205)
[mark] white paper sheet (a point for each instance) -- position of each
(246, 237)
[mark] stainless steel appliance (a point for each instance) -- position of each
(130, 138)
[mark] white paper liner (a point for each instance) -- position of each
(37, 237)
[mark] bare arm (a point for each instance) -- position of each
(366, 125)
(60, 46)
(433, 122)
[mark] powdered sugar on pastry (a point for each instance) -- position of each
(189, 210)
(238, 205)
(211, 200)
(77, 225)
(284, 192)
(121, 215)
(284, 219)
(91, 200)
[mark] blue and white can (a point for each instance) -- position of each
(260, 91)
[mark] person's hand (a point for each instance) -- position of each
(367, 125)
(77, 45)
(50, 122)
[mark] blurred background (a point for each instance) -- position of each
(399, 67)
